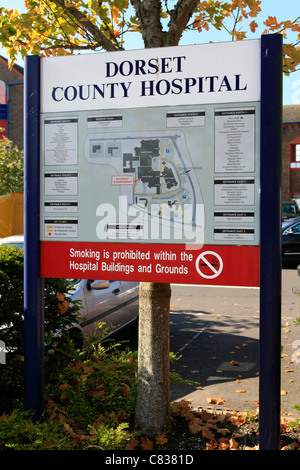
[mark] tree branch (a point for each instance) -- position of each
(148, 13)
(85, 23)
(180, 16)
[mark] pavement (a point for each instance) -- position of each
(231, 379)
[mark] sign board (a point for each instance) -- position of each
(150, 162)
(157, 165)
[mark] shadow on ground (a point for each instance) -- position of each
(213, 351)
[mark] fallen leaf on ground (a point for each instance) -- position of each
(223, 431)
(100, 418)
(146, 443)
(161, 440)
(121, 416)
(132, 444)
(211, 445)
(237, 420)
(234, 363)
(220, 418)
(224, 445)
(189, 416)
(206, 433)
(70, 430)
(233, 444)
(98, 391)
(194, 427)
(184, 407)
(215, 401)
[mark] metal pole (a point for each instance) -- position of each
(270, 268)
(33, 284)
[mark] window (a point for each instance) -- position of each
(2, 92)
(295, 156)
(295, 197)
(296, 228)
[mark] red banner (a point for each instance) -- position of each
(208, 264)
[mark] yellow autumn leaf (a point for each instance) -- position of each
(253, 25)
(270, 21)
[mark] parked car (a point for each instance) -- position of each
(289, 210)
(17, 240)
(291, 240)
(114, 303)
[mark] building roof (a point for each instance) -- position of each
(17, 68)
(291, 113)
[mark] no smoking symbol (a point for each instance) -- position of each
(209, 264)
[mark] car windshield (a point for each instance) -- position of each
(289, 208)
(17, 244)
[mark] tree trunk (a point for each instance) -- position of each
(152, 412)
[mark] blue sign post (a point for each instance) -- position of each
(270, 243)
(33, 283)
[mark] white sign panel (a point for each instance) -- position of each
(61, 227)
(197, 74)
(61, 141)
(152, 146)
(61, 182)
(234, 140)
(234, 191)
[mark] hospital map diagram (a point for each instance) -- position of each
(153, 170)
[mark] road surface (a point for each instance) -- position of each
(215, 333)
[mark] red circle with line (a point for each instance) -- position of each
(209, 264)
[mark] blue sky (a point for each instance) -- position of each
(283, 10)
